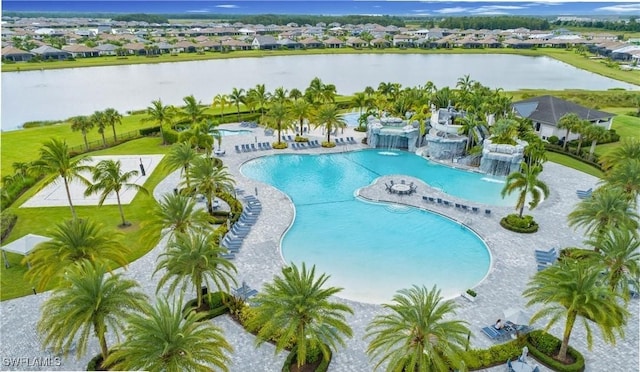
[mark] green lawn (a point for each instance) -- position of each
(40, 220)
(573, 163)
(625, 126)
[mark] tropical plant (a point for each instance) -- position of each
(99, 121)
(193, 112)
(55, 161)
(328, 116)
(279, 95)
(180, 156)
(626, 176)
(83, 125)
(296, 308)
(607, 208)
(108, 178)
(595, 134)
(572, 289)
(619, 253)
(301, 110)
(261, 96)
(504, 131)
(221, 100)
(160, 114)
(629, 148)
(113, 117)
(279, 118)
(166, 339)
(527, 182)
(73, 241)
(470, 123)
(237, 98)
(90, 302)
(194, 259)
(178, 213)
(208, 178)
(571, 122)
(416, 335)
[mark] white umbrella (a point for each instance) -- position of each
(516, 316)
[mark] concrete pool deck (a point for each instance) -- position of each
(259, 260)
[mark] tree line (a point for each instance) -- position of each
(632, 26)
(498, 22)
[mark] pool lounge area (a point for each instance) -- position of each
(512, 264)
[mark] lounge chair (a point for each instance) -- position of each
(267, 146)
(466, 208)
(475, 209)
(583, 194)
(260, 146)
(253, 147)
(294, 146)
(446, 202)
(439, 201)
(245, 148)
(302, 145)
(351, 140)
(425, 198)
(491, 332)
(536, 369)
(228, 256)
(457, 205)
(509, 366)
(432, 199)
(238, 149)
(487, 212)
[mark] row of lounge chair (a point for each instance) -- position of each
(253, 147)
(545, 259)
(584, 194)
(232, 241)
(244, 292)
(460, 206)
(345, 141)
(249, 124)
(305, 145)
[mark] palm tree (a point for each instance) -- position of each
(165, 339)
(278, 118)
(91, 302)
(279, 95)
(180, 156)
(469, 124)
(629, 148)
(208, 178)
(314, 90)
(570, 122)
(596, 134)
(178, 213)
(296, 307)
(415, 335)
(73, 241)
(582, 129)
(329, 117)
(83, 125)
(237, 97)
(301, 110)
(99, 121)
(619, 253)
(160, 114)
(221, 100)
(261, 96)
(606, 209)
(193, 112)
(528, 183)
(113, 117)
(55, 160)
(108, 178)
(360, 101)
(295, 94)
(626, 176)
(570, 289)
(194, 259)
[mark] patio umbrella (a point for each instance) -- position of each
(516, 315)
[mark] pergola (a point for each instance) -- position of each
(22, 246)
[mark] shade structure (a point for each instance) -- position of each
(22, 246)
(516, 315)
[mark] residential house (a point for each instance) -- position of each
(79, 50)
(333, 42)
(289, 44)
(404, 41)
(310, 43)
(545, 113)
(49, 52)
(233, 44)
(135, 48)
(15, 55)
(106, 49)
(185, 46)
(264, 42)
(355, 42)
(379, 43)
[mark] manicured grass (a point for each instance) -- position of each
(573, 163)
(569, 57)
(41, 220)
(626, 126)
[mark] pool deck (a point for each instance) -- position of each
(513, 265)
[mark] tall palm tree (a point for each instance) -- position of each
(193, 112)
(113, 117)
(572, 289)
(99, 121)
(210, 129)
(237, 98)
(208, 178)
(582, 129)
(297, 307)
(160, 114)
(55, 161)
(261, 96)
(629, 148)
(279, 95)
(301, 110)
(606, 209)
(178, 213)
(91, 302)
(83, 125)
(626, 176)
(314, 90)
(469, 125)
(193, 259)
(571, 122)
(619, 253)
(108, 178)
(165, 339)
(360, 101)
(415, 335)
(329, 117)
(295, 94)
(528, 183)
(180, 156)
(221, 100)
(73, 241)
(596, 134)
(279, 118)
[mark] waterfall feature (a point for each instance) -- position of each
(500, 159)
(392, 133)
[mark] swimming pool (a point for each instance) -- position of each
(351, 119)
(229, 132)
(372, 249)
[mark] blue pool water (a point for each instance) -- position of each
(351, 119)
(374, 249)
(229, 132)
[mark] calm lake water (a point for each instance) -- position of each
(60, 94)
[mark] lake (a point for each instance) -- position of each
(60, 94)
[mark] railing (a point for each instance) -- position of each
(99, 145)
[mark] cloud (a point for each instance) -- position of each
(226, 6)
(495, 12)
(198, 11)
(457, 9)
(620, 8)
(496, 8)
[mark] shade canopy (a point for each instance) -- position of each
(516, 316)
(23, 246)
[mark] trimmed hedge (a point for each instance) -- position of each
(301, 139)
(7, 221)
(279, 146)
(477, 359)
(558, 149)
(524, 225)
(216, 306)
(543, 346)
(328, 144)
(291, 360)
(171, 136)
(149, 131)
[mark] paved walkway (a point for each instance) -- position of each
(259, 260)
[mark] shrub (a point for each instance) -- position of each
(312, 357)
(279, 146)
(544, 346)
(553, 140)
(301, 139)
(149, 131)
(360, 129)
(7, 221)
(216, 304)
(328, 144)
(514, 223)
(477, 359)
(170, 136)
(471, 293)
